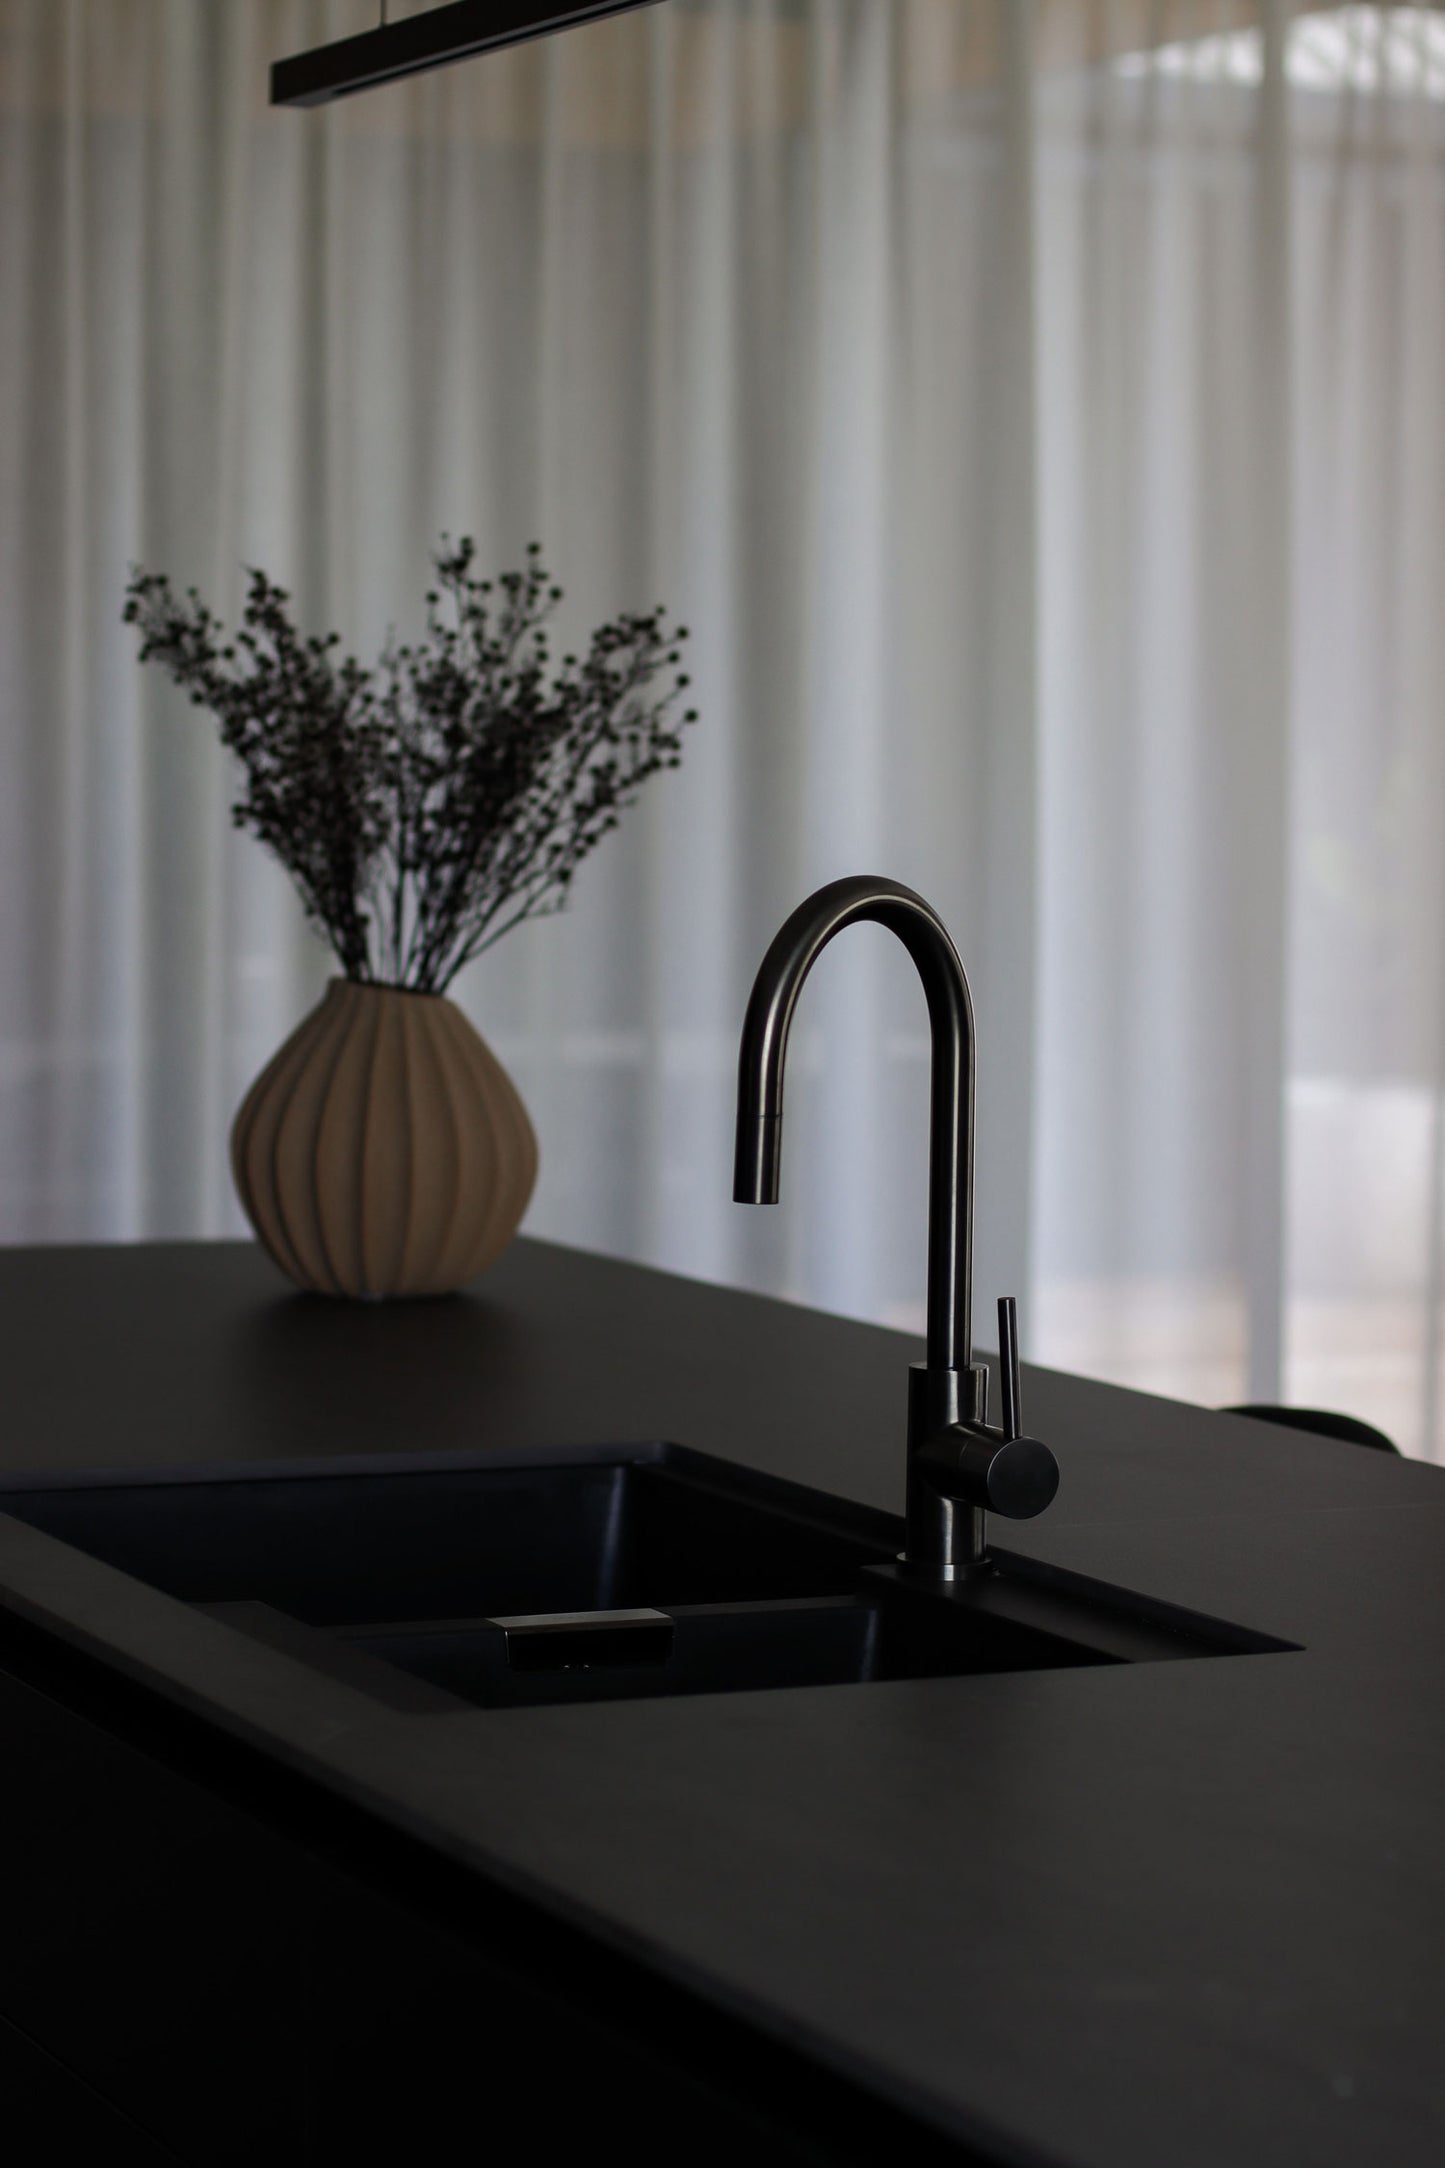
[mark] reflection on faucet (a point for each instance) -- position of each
(957, 1465)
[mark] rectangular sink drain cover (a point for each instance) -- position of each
(568, 1640)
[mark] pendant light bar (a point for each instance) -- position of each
(433, 39)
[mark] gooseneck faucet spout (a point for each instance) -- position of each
(763, 1053)
(956, 1465)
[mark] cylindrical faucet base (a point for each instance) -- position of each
(944, 1535)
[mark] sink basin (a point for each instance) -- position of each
(652, 1572)
(694, 1649)
(398, 1543)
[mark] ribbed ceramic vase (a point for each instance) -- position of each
(384, 1151)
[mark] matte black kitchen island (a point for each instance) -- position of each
(1156, 1912)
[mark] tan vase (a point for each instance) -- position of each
(384, 1151)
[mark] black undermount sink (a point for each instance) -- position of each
(658, 1572)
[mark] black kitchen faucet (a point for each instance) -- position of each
(959, 1467)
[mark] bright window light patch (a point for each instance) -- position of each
(1399, 51)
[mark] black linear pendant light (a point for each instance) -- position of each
(431, 40)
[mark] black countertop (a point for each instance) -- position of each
(1182, 1912)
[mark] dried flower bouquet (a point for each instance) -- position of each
(426, 807)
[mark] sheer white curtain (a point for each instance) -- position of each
(1038, 415)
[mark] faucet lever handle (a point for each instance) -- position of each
(1008, 1367)
(995, 1471)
